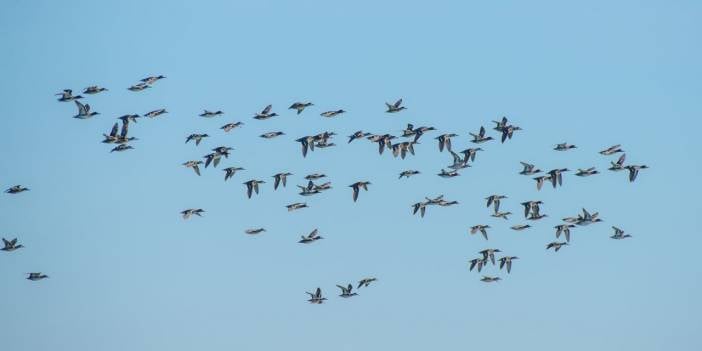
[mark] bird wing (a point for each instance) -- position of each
(355, 193)
(266, 110)
(249, 189)
(125, 129)
(397, 103)
(621, 159)
(482, 131)
(276, 182)
(81, 108)
(115, 128)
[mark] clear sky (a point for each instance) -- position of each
(127, 273)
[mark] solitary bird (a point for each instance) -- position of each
(84, 111)
(194, 165)
(482, 228)
(254, 231)
(564, 147)
(330, 114)
(11, 245)
(346, 291)
(230, 126)
(67, 95)
(280, 178)
(316, 298)
(271, 135)
(634, 171)
(480, 137)
(556, 245)
(612, 150)
(408, 173)
(265, 113)
(230, 171)
(296, 206)
(36, 276)
(507, 262)
(197, 137)
(565, 229)
(252, 186)
(392, 108)
(93, 89)
(16, 189)
(300, 106)
(192, 211)
(618, 234)
(365, 282)
(357, 187)
(210, 114)
(310, 238)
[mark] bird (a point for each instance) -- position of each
(315, 176)
(265, 113)
(618, 234)
(495, 200)
(365, 282)
(310, 238)
(197, 137)
(152, 79)
(230, 126)
(36, 276)
(634, 171)
(11, 245)
(501, 124)
(194, 165)
(529, 169)
(252, 186)
(477, 262)
(612, 150)
(529, 207)
(480, 228)
(502, 215)
(508, 132)
(507, 262)
(192, 211)
(67, 95)
(316, 298)
(565, 229)
(139, 87)
(395, 107)
(346, 291)
(469, 154)
(619, 165)
(488, 279)
(84, 111)
(586, 218)
(16, 189)
(586, 172)
(540, 181)
(307, 143)
(448, 174)
(480, 137)
(489, 253)
(330, 114)
(230, 171)
(556, 245)
(357, 187)
(156, 113)
(420, 207)
(564, 147)
(445, 141)
(128, 118)
(254, 231)
(271, 135)
(520, 227)
(296, 206)
(556, 176)
(309, 190)
(121, 147)
(210, 114)
(93, 89)
(300, 106)
(280, 178)
(212, 158)
(408, 173)
(357, 135)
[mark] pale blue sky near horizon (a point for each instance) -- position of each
(128, 273)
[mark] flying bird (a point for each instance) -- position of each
(396, 107)
(357, 187)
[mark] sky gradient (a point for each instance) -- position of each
(127, 273)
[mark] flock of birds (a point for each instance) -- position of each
(412, 135)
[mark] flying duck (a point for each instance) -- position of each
(252, 186)
(634, 171)
(564, 147)
(480, 228)
(520, 227)
(420, 207)
(508, 131)
(36, 276)
(618, 234)
(556, 245)
(254, 231)
(458, 162)
(315, 176)
(229, 126)
(540, 181)
(346, 291)
(271, 135)
(296, 206)
(612, 150)
(210, 114)
(469, 154)
(556, 176)
(477, 262)
(565, 229)
(265, 114)
(529, 207)
(507, 261)
(619, 165)
(67, 95)
(495, 199)
(152, 79)
(16, 189)
(330, 114)
(357, 135)
(310, 238)
(121, 147)
(480, 137)
(445, 141)
(586, 172)
(139, 87)
(365, 282)
(192, 211)
(128, 118)
(357, 187)
(316, 298)
(93, 89)
(408, 173)
(230, 171)
(489, 253)
(501, 215)
(84, 111)
(194, 165)
(309, 190)
(448, 174)
(280, 178)
(155, 113)
(197, 137)
(488, 279)
(11, 245)
(392, 108)
(586, 218)
(300, 106)
(501, 124)
(529, 169)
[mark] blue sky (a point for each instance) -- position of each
(128, 273)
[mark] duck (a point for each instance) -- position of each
(357, 135)
(112, 137)
(121, 147)
(435, 201)
(409, 131)
(420, 207)
(271, 135)
(346, 291)
(495, 200)
(254, 231)
(482, 228)
(156, 113)
(448, 174)
(223, 150)
(556, 245)
(231, 171)
(129, 118)
(16, 189)
(309, 190)
(529, 169)
(529, 206)
(331, 114)
(296, 206)
(152, 79)
(212, 158)
(323, 186)
(192, 211)
(501, 124)
(315, 176)
(307, 143)
(508, 132)
(520, 227)
(619, 165)
(316, 298)
(480, 137)
(67, 95)
(252, 186)
(445, 141)
(402, 148)
(396, 107)
(586, 172)
(194, 165)
(507, 262)
(122, 138)
(265, 113)
(357, 188)
(310, 238)
(210, 114)
(489, 253)
(93, 89)
(501, 215)
(197, 137)
(565, 229)
(10, 245)
(300, 106)
(230, 126)
(139, 87)
(612, 150)
(556, 176)
(365, 282)
(618, 234)
(280, 178)
(470, 153)
(445, 203)
(458, 162)
(36, 276)
(408, 173)
(540, 181)
(324, 144)
(84, 111)
(477, 262)
(634, 171)
(488, 279)
(586, 218)
(564, 147)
